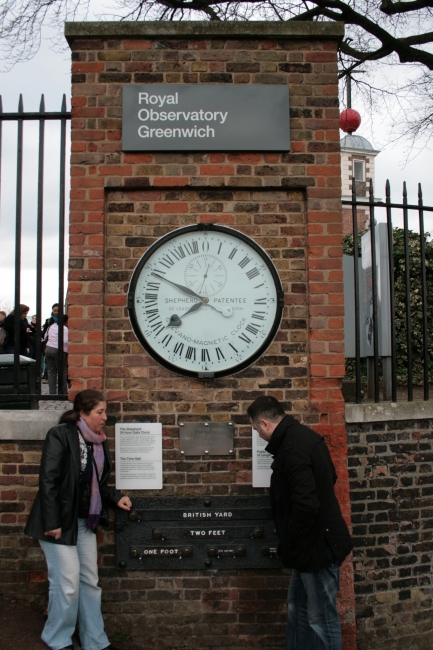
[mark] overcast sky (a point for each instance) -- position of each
(49, 73)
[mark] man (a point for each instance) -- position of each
(314, 538)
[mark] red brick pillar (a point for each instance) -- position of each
(289, 203)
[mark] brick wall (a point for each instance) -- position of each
(361, 217)
(288, 202)
(391, 486)
(22, 564)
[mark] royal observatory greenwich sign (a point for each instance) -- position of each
(175, 117)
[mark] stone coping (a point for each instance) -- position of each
(27, 425)
(33, 425)
(296, 29)
(389, 411)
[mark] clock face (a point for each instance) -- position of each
(205, 301)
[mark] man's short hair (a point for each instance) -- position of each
(56, 304)
(266, 408)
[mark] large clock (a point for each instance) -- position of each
(205, 301)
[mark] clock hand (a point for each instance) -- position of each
(204, 279)
(225, 311)
(188, 292)
(176, 320)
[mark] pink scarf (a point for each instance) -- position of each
(98, 454)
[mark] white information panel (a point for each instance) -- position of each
(262, 462)
(139, 456)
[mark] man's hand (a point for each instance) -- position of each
(56, 533)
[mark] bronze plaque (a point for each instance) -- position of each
(206, 438)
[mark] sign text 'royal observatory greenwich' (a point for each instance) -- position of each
(175, 117)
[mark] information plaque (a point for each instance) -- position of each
(138, 456)
(205, 117)
(196, 533)
(262, 462)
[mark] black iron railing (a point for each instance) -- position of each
(382, 372)
(21, 117)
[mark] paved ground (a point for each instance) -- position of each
(52, 405)
(21, 626)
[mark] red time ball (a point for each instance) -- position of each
(349, 120)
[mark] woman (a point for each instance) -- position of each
(9, 324)
(64, 518)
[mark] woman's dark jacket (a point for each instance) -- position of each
(56, 503)
(8, 325)
(305, 509)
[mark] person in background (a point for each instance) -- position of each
(65, 323)
(52, 356)
(54, 318)
(8, 325)
(3, 334)
(49, 321)
(74, 472)
(314, 538)
(32, 337)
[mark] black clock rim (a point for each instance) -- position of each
(201, 227)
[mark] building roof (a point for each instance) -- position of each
(357, 142)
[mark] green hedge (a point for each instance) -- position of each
(400, 303)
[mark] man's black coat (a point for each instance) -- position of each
(56, 503)
(304, 506)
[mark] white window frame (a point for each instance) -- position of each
(360, 164)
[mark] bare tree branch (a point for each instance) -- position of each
(391, 8)
(378, 33)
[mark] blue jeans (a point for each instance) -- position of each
(313, 622)
(74, 592)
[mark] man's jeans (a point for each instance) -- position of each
(313, 622)
(74, 592)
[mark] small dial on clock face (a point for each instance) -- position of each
(205, 301)
(206, 274)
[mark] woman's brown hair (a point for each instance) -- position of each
(85, 400)
(23, 310)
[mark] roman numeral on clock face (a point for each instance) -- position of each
(167, 261)
(191, 248)
(219, 354)
(244, 262)
(190, 353)
(178, 349)
(252, 329)
(252, 274)
(205, 355)
(152, 314)
(166, 340)
(178, 253)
